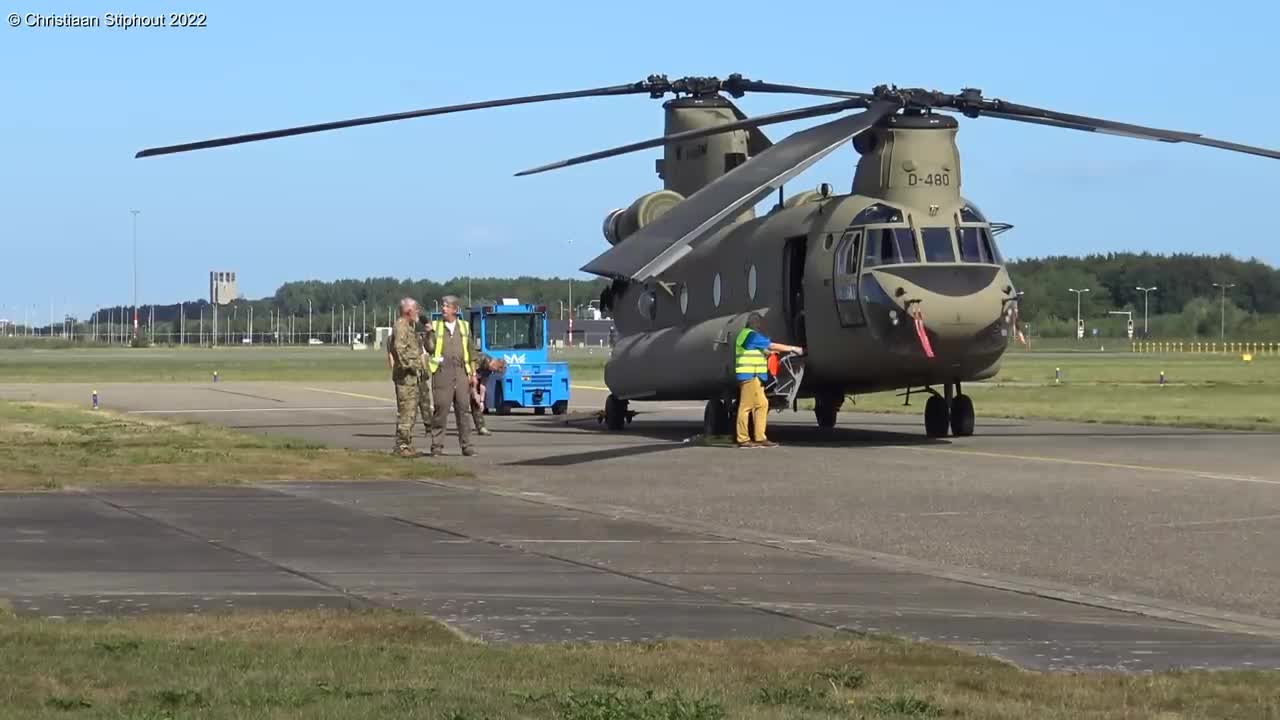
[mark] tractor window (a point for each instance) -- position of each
(975, 245)
(937, 245)
(890, 246)
(513, 331)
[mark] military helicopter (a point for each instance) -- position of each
(895, 285)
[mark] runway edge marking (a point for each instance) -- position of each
(351, 394)
(1198, 616)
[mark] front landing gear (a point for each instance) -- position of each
(826, 408)
(615, 413)
(944, 412)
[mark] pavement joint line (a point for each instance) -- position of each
(350, 394)
(1194, 616)
(243, 394)
(358, 599)
(692, 593)
(1096, 463)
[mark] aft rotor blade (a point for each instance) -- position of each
(757, 141)
(779, 117)
(374, 119)
(659, 245)
(1040, 116)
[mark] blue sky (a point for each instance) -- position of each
(410, 198)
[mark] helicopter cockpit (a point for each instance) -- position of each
(881, 235)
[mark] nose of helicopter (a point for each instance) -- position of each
(963, 309)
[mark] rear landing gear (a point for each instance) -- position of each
(715, 418)
(944, 412)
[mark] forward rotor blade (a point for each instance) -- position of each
(741, 86)
(1040, 116)
(658, 245)
(779, 117)
(321, 127)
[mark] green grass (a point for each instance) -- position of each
(1118, 385)
(1200, 391)
(357, 664)
(105, 364)
(45, 446)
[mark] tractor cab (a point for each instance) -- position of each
(517, 333)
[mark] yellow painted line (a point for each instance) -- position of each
(589, 387)
(1097, 463)
(349, 394)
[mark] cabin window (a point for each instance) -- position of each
(975, 245)
(845, 282)
(684, 299)
(715, 290)
(751, 282)
(513, 331)
(889, 246)
(647, 304)
(937, 245)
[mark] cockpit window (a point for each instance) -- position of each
(975, 245)
(970, 214)
(877, 214)
(890, 246)
(937, 245)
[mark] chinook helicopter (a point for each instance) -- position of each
(896, 285)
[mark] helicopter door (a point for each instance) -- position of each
(793, 262)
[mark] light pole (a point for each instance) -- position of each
(1079, 325)
(309, 335)
(135, 273)
(1145, 291)
(468, 278)
(1223, 331)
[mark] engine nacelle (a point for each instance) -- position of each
(618, 224)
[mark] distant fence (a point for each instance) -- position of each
(1232, 348)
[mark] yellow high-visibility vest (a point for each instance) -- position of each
(437, 355)
(748, 362)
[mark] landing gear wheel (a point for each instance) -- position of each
(962, 416)
(715, 418)
(615, 413)
(935, 417)
(826, 409)
(559, 407)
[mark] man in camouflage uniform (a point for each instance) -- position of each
(485, 366)
(408, 366)
(426, 398)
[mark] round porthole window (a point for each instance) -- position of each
(751, 282)
(715, 290)
(647, 304)
(684, 299)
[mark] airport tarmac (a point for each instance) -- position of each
(1055, 545)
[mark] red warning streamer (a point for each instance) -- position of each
(920, 333)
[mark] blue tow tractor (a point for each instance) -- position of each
(517, 333)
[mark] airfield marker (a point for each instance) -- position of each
(95, 399)
(1057, 376)
(1161, 378)
(215, 376)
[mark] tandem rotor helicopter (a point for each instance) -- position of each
(895, 285)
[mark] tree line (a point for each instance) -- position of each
(1185, 304)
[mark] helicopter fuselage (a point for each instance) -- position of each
(845, 276)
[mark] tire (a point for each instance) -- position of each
(615, 413)
(539, 411)
(936, 417)
(714, 418)
(560, 407)
(826, 412)
(962, 418)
